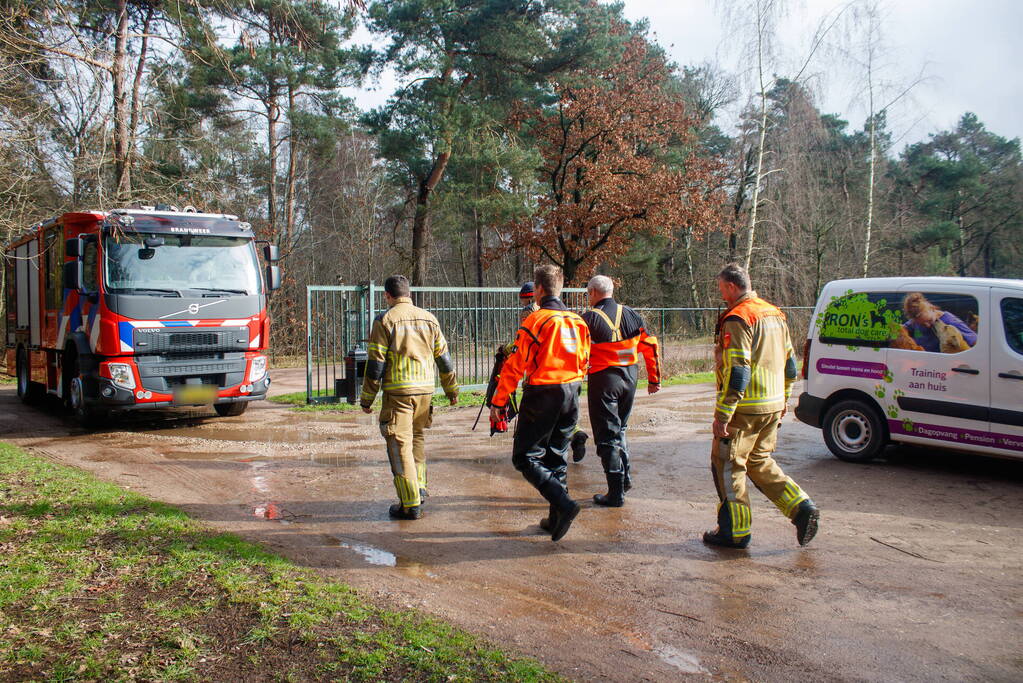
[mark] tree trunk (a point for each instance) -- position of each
(421, 220)
(136, 88)
(272, 114)
(756, 179)
(687, 236)
(289, 220)
(122, 167)
(479, 248)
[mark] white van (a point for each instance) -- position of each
(934, 361)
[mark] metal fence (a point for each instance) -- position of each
(475, 321)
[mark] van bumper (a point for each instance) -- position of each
(809, 409)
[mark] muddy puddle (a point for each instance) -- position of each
(257, 434)
(342, 459)
(377, 557)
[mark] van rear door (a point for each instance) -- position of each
(941, 373)
(1007, 368)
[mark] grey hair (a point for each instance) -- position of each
(602, 284)
(737, 275)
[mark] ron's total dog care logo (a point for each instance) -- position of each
(856, 318)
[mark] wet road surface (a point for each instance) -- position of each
(915, 575)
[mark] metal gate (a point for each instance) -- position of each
(475, 321)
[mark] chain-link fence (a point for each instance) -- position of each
(476, 320)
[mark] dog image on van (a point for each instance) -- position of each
(902, 340)
(950, 340)
(933, 329)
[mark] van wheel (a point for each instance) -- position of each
(853, 431)
(28, 391)
(230, 409)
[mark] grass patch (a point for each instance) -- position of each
(99, 583)
(467, 399)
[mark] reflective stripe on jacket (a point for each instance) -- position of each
(552, 347)
(755, 362)
(618, 342)
(404, 344)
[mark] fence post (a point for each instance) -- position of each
(308, 346)
(370, 310)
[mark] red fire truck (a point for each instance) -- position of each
(139, 308)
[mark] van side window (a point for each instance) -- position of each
(1012, 321)
(913, 321)
(939, 323)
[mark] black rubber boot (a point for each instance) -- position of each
(716, 538)
(579, 445)
(545, 523)
(564, 520)
(806, 519)
(396, 511)
(627, 484)
(615, 497)
(566, 509)
(722, 536)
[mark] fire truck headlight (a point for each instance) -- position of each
(122, 375)
(258, 369)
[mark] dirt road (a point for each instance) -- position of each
(916, 574)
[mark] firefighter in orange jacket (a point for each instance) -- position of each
(756, 368)
(552, 350)
(527, 296)
(618, 338)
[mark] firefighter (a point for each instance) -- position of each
(551, 353)
(618, 337)
(527, 297)
(404, 344)
(755, 367)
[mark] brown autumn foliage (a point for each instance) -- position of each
(618, 159)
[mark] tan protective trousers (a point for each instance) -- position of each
(402, 421)
(747, 452)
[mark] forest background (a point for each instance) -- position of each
(519, 132)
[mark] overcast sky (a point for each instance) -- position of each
(970, 52)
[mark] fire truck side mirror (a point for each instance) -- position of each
(273, 278)
(75, 247)
(271, 253)
(73, 274)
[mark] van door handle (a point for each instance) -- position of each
(1010, 375)
(966, 371)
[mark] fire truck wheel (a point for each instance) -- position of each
(230, 409)
(28, 391)
(86, 415)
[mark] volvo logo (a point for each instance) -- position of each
(192, 309)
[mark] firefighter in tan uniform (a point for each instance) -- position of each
(756, 368)
(404, 344)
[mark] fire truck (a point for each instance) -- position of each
(139, 308)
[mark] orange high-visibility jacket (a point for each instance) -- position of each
(552, 347)
(618, 337)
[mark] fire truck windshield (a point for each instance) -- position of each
(180, 265)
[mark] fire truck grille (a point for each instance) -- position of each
(173, 341)
(194, 339)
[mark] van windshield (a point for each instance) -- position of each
(180, 265)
